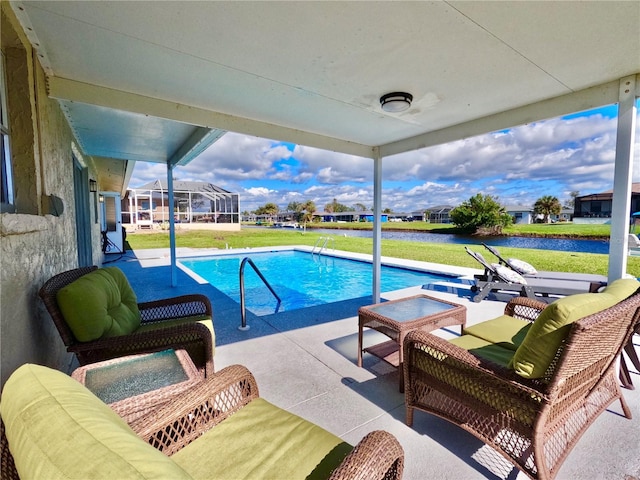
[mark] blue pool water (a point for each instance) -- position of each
(300, 279)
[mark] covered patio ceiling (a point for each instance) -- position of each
(160, 81)
(312, 73)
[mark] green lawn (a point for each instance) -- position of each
(448, 254)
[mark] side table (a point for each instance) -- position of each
(134, 385)
(396, 318)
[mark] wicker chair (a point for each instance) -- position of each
(533, 423)
(186, 419)
(378, 455)
(192, 336)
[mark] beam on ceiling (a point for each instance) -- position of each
(72, 90)
(594, 97)
(127, 176)
(197, 143)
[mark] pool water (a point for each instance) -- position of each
(300, 279)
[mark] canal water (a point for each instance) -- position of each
(559, 244)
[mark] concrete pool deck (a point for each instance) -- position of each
(305, 361)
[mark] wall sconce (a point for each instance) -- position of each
(93, 185)
(101, 198)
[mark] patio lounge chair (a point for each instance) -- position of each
(634, 245)
(54, 427)
(98, 317)
(531, 382)
(497, 278)
(529, 271)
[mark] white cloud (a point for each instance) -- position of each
(259, 192)
(518, 166)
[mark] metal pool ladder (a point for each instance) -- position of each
(243, 310)
(324, 241)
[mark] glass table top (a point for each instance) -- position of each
(410, 309)
(135, 376)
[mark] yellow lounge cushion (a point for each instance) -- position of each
(505, 330)
(99, 304)
(272, 443)
(536, 353)
(56, 428)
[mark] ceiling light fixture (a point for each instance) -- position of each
(396, 102)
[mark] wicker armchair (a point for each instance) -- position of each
(377, 456)
(533, 423)
(151, 337)
(223, 412)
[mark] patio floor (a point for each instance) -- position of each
(305, 362)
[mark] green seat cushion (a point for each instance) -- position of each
(507, 331)
(99, 304)
(272, 443)
(56, 428)
(203, 319)
(536, 353)
(496, 353)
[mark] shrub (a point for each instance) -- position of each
(481, 214)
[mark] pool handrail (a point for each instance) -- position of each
(324, 245)
(243, 310)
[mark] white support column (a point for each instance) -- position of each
(621, 206)
(133, 215)
(377, 225)
(161, 203)
(172, 228)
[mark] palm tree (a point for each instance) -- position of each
(546, 206)
(310, 208)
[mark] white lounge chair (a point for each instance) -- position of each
(634, 245)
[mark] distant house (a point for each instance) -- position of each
(565, 215)
(521, 215)
(597, 207)
(438, 214)
(198, 203)
(362, 216)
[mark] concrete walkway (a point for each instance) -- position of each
(305, 361)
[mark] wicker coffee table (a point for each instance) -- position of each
(396, 318)
(136, 384)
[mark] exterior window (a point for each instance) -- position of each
(6, 186)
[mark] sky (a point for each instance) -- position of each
(517, 166)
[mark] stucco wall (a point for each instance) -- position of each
(34, 247)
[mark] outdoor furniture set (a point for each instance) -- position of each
(146, 402)
(530, 382)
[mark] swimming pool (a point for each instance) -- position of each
(299, 278)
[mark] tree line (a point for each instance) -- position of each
(480, 213)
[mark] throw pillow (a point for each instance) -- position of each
(508, 275)
(522, 267)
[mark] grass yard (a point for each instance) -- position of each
(448, 254)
